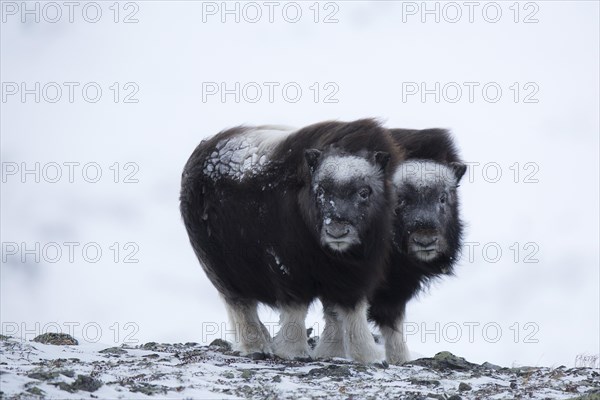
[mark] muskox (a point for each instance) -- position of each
(281, 217)
(426, 237)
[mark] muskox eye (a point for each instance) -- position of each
(364, 193)
(320, 191)
(443, 198)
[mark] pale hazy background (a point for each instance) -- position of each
(506, 312)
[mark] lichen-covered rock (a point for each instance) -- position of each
(113, 350)
(86, 383)
(248, 374)
(331, 371)
(67, 372)
(35, 390)
(57, 339)
(148, 388)
(221, 344)
(43, 375)
(446, 360)
(487, 365)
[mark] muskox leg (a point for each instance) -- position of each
(359, 344)
(396, 351)
(291, 341)
(331, 342)
(251, 336)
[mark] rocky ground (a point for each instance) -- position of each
(55, 367)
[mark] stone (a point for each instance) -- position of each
(57, 339)
(113, 350)
(86, 383)
(221, 344)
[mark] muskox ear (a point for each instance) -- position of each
(459, 170)
(381, 158)
(312, 157)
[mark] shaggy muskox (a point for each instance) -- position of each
(426, 235)
(282, 217)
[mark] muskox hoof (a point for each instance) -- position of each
(382, 365)
(290, 347)
(397, 356)
(396, 361)
(257, 352)
(328, 349)
(368, 355)
(292, 354)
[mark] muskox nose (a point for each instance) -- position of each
(425, 240)
(337, 230)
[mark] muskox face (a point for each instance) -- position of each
(346, 192)
(427, 225)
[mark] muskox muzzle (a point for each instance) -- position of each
(425, 244)
(337, 230)
(425, 239)
(338, 235)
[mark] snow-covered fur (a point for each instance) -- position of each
(427, 229)
(281, 217)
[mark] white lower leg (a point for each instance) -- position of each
(396, 351)
(358, 340)
(291, 340)
(251, 335)
(331, 342)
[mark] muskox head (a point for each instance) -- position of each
(346, 194)
(427, 224)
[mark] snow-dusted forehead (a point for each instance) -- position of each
(424, 173)
(246, 154)
(346, 168)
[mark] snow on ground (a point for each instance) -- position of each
(152, 370)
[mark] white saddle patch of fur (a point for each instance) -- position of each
(246, 154)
